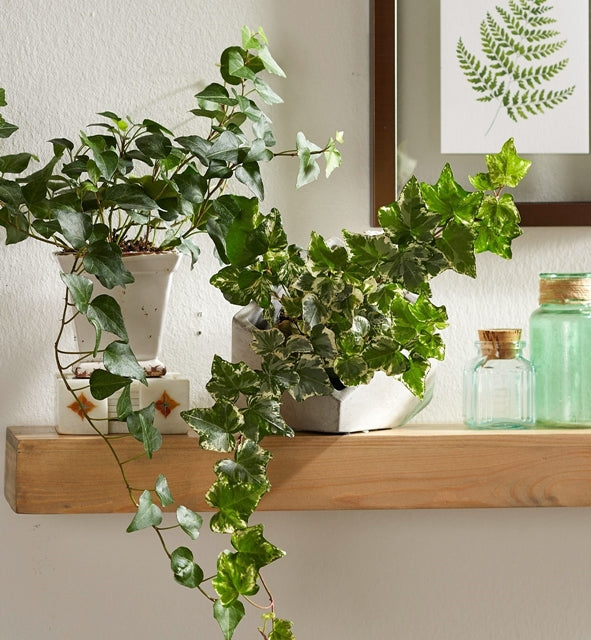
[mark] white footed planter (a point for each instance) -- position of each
(143, 305)
(382, 404)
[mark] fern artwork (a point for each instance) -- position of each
(516, 58)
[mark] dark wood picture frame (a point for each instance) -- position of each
(384, 132)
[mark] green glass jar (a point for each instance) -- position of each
(560, 350)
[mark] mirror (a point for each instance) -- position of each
(391, 110)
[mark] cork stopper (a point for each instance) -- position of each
(565, 288)
(499, 344)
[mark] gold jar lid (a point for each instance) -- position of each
(499, 344)
(565, 288)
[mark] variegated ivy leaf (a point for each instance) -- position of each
(263, 417)
(229, 380)
(266, 342)
(249, 465)
(282, 630)
(235, 503)
(384, 353)
(415, 376)
(277, 375)
(237, 575)
(313, 379)
(215, 425)
(251, 542)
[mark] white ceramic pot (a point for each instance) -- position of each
(383, 403)
(143, 305)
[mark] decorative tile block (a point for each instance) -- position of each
(70, 411)
(170, 395)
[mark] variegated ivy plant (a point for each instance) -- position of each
(333, 315)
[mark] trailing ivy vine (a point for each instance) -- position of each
(512, 43)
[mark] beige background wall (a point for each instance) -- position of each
(424, 575)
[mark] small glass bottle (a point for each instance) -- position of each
(499, 383)
(560, 333)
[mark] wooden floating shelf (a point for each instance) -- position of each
(430, 466)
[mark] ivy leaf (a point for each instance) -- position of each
(228, 617)
(457, 245)
(249, 174)
(236, 576)
(103, 260)
(104, 311)
(267, 94)
(15, 162)
(154, 145)
(323, 342)
(229, 380)
(308, 167)
(124, 406)
(384, 353)
(80, 289)
(120, 360)
(235, 502)
(163, 491)
(215, 425)
(189, 521)
(282, 630)
(185, 570)
(352, 370)
(76, 226)
(192, 185)
(104, 384)
(129, 197)
(323, 258)
(414, 377)
(141, 426)
(278, 375)
(506, 168)
(263, 417)
(313, 379)
(266, 342)
(148, 514)
(249, 465)
(251, 542)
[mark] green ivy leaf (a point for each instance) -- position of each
(163, 491)
(148, 514)
(189, 521)
(76, 226)
(228, 617)
(124, 406)
(308, 166)
(215, 425)
(154, 145)
(236, 576)
(249, 465)
(103, 259)
(120, 360)
(104, 384)
(249, 174)
(384, 353)
(80, 289)
(322, 258)
(15, 162)
(141, 426)
(105, 312)
(185, 570)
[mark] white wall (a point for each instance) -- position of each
(408, 575)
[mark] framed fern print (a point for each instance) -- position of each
(514, 68)
(409, 123)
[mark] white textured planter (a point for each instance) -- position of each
(382, 404)
(143, 305)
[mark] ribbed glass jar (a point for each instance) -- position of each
(498, 383)
(560, 350)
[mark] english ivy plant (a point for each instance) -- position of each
(127, 186)
(333, 315)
